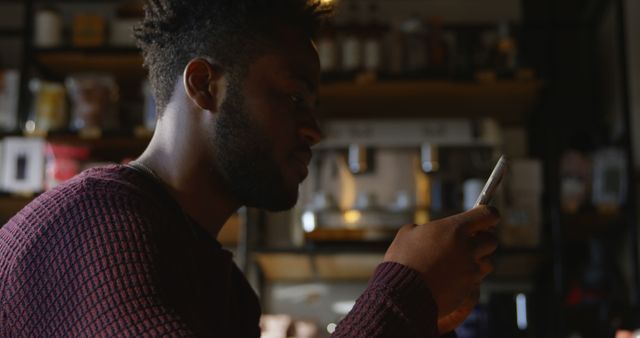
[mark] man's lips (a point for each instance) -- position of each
(302, 158)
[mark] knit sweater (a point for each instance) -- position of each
(111, 253)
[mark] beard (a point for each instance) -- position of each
(244, 158)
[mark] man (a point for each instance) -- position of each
(130, 250)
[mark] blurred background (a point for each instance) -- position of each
(418, 100)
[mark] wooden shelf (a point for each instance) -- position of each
(285, 267)
(111, 147)
(336, 264)
(102, 50)
(297, 267)
(508, 102)
(11, 33)
(330, 248)
(100, 2)
(516, 266)
(355, 235)
(108, 142)
(124, 63)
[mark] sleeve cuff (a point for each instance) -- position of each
(409, 290)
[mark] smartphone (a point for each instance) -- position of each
(499, 171)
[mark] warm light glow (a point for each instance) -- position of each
(423, 186)
(421, 217)
(352, 216)
(327, 2)
(348, 189)
(423, 193)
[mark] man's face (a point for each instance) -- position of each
(266, 125)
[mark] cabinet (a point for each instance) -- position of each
(592, 280)
(55, 63)
(58, 57)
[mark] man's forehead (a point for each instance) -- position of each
(297, 59)
(297, 49)
(286, 65)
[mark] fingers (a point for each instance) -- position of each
(485, 243)
(485, 267)
(473, 298)
(448, 322)
(481, 218)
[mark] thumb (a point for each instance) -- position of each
(480, 218)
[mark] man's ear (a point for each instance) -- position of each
(203, 83)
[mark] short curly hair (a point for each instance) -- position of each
(231, 32)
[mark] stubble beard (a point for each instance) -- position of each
(244, 158)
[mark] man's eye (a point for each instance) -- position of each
(297, 99)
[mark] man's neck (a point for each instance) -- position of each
(196, 187)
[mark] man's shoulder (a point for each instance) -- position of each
(111, 179)
(91, 191)
(100, 200)
(99, 229)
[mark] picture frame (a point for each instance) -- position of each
(22, 165)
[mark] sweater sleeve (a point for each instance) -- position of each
(396, 303)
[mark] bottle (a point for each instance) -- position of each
(610, 182)
(48, 28)
(575, 180)
(484, 52)
(49, 110)
(394, 49)
(437, 47)
(415, 38)
(506, 51)
(351, 42)
(455, 62)
(127, 16)
(373, 40)
(328, 48)
(9, 94)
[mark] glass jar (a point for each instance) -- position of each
(94, 98)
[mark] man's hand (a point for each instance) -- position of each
(452, 254)
(449, 322)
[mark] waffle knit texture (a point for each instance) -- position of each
(110, 253)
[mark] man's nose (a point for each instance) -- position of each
(310, 132)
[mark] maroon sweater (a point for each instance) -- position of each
(110, 253)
